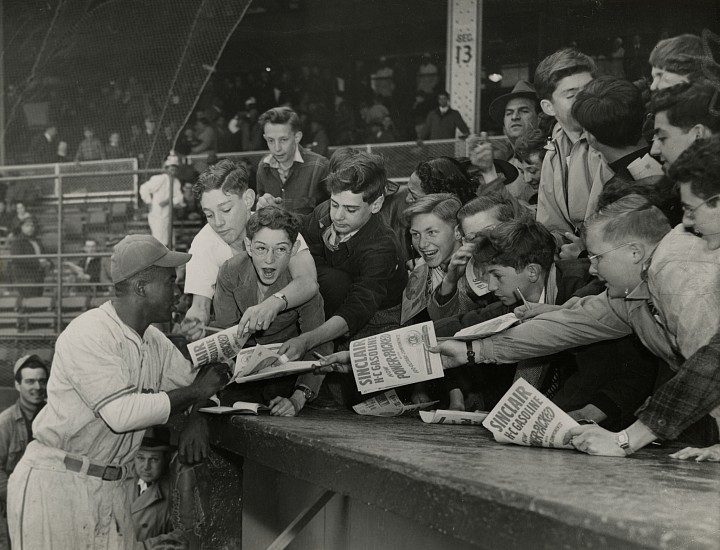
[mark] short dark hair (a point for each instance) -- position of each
(281, 115)
(517, 244)
(340, 155)
(529, 143)
(445, 93)
(446, 175)
(31, 363)
(274, 217)
(699, 165)
(682, 54)
(226, 175)
(688, 104)
(360, 173)
(612, 110)
(559, 65)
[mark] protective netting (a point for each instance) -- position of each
(111, 65)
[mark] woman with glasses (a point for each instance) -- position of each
(247, 280)
(662, 285)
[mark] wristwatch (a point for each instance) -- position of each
(283, 298)
(470, 353)
(307, 392)
(623, 441)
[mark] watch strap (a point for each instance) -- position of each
(470, 353)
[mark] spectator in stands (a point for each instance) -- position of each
(431, 220)
(30, 270)
(573, 173)
(290, 175)
(90, 147)
(31, 375)
(143, 142)
(43, 148)
(427, 75)
(684, 113)
(7, 220)
(357, 256)
(21, 214)
(376, 112)
(62, 152)
(518, 114)
(251, 131)
(114, 149)
(155, 192)
(206, 137)
(319, 139)
(223, 191)
(246, 280)
(117, 375)
(676, 60)
(622, 239)
(440, 175)
(190, 209)
(420, 110)
(90, 267)
(443, 122)
(612, 113)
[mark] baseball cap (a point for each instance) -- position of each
(172, 160)
(137, 252)
(20, 363)
(521, 89)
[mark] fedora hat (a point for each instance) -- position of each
(522, 89)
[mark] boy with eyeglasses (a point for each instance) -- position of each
(271, 240)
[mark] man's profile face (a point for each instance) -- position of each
(32, 386)
(520, 116)
(227, 213)
(282, 142)
(662, 78)
(349, 212)
(150, 465)
(503, 280)
(162, 294)
(563, 98)
(669, 141)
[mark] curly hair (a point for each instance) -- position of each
(446, 175)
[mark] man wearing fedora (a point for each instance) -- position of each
(517, 111)
(155, 192)
(114, 374)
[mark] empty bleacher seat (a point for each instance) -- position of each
(37, 315)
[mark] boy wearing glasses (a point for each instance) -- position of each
(271, 240)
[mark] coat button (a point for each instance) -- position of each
(144, 524)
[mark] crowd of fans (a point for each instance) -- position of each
(596, 222)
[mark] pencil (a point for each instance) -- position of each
(317, 355)
(211, 329)
(527, 305)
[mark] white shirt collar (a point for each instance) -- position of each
(273, 163)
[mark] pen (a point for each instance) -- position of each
(527, 305)
(317, 355)
(211, 329)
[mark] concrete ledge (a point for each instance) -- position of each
(459, 482)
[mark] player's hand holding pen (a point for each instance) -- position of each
(336, 362)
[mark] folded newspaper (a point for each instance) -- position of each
(524, 416)
(219, 347)
(255, 363)
(395, 358)
(485, 329)
(388, 404)
(441, 416)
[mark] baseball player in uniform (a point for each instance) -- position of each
(113, 375)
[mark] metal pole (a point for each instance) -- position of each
(172, 212)
(58, 303)
(2, 84)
